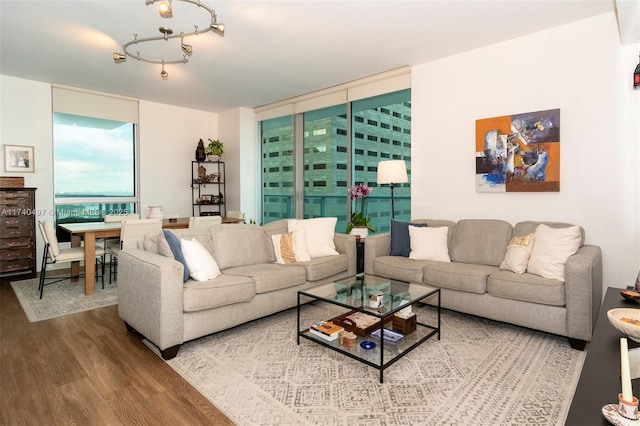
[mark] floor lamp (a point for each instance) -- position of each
(392, 172)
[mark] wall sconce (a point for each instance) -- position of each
(392, 172)
(166, 11)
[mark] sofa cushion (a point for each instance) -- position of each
(526, 287)
(320, 268)
(518, 253)
(238, 245)
(529, 226)
(202, 267)
(551, 249)
(220, 291)
(399, 268)
(399, 244)
(174, 244)
(429, 243)
(480, 241)
(458, 276)
(270, 276)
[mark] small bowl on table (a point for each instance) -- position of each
(634, 296)
(627, 321)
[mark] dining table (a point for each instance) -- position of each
(90, 231)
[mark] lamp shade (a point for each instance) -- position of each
(392, 171)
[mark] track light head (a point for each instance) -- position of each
(186, 48)
(119, 57)
(165, 9)
(217, 28)
(163, 74)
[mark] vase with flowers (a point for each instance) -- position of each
(360, 223)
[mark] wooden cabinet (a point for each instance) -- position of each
(17, 232)
(208, 188)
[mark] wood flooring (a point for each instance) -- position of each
(86, 369)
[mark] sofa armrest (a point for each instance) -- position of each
(375, 246)
(346, 244)
(150, 296)
(583, 291)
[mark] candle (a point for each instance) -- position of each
(625, 372)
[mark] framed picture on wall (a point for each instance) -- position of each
(18, 158)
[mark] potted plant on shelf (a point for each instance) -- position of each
(214, 149)
(360, 223)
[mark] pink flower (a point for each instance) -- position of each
(359, 191)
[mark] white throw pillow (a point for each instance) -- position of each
(518, 252)
(284, 248)
(318, 233)
(551, 249)
(202, 266)
(429, 243)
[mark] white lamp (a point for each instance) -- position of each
(392, 172)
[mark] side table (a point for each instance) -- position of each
(599, 382)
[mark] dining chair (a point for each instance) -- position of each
(235, 214)
(131, 231)
(113, 244)
(204, 222)
(54, 254)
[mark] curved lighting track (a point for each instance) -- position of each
(166, 11)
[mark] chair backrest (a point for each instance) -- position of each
(202, 223)
(234, 214)
(134, 230)
(110, 218)
(49, 236)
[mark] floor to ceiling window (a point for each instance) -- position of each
(341, 146)
(278, 191)
(93, 168)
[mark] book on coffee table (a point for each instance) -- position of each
(327, 328)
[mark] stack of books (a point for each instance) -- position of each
(326, 330)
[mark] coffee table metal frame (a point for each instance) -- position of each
(352, 294)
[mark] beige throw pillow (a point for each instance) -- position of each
(429, 243)
(284, 248)
(551, 249)
(518, 253)
(318, 233)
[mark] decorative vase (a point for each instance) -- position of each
(211, 157)
(155, 212)
(359, 231)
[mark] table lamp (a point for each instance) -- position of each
(392, 172)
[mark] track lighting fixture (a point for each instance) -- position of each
(166, 11)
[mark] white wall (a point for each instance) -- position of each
(579, 68)
(242, 158)
(168, 139)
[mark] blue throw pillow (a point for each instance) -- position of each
(174, 245)
(400, 242)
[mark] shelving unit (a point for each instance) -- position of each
(208, 188)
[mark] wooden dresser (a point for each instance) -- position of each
(18, 232)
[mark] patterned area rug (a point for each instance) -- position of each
(61, 298)
(481, 372)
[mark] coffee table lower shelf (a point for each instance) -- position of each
(383, 355)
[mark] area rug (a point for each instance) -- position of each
(61, 298)
(481, 372)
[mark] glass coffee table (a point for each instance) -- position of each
(389, 297)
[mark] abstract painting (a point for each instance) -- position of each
(519, 153)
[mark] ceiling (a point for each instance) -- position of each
(272, 50)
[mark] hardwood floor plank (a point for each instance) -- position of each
(86, 369)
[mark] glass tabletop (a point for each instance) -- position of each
(380, 296)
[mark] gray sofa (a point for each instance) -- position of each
(153, 300)
(474, 284)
